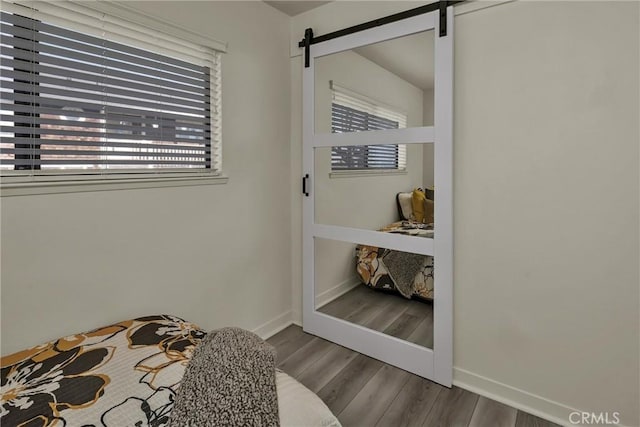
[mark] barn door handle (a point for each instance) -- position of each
(304, 185)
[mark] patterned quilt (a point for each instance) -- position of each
(386, 269)
(124, 374)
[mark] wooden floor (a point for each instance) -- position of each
(364, 392)
(392, 314)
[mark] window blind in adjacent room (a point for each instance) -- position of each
(353, 113)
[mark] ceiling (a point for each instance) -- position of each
(410, 57)
(293, 8)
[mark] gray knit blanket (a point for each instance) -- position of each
(230, 381)
(402, 268)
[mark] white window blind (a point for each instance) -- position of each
(355, 113)
(82, 91)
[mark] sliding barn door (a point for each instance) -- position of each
(377, 121)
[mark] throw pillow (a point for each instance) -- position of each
(417, 203)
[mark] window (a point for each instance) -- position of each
(354, 113)
(90, 102)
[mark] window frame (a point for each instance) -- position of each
(45, 181)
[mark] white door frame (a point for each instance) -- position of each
(436, 363)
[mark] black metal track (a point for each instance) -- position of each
(439, 5)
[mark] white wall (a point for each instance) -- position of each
(216, 254)
(546, 184)
(358, 201)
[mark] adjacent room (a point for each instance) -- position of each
(320, 213)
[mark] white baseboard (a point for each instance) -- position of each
(296, 317)
(330, 294)
(273, 326)
(536, 405)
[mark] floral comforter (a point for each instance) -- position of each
(376, 271)
(124, 374)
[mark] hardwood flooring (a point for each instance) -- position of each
(364, 392)
(384, 312)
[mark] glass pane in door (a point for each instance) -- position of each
(383, 290)
(398, 199)
(386, 85)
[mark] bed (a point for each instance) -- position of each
(126, 374)
(410, 275)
